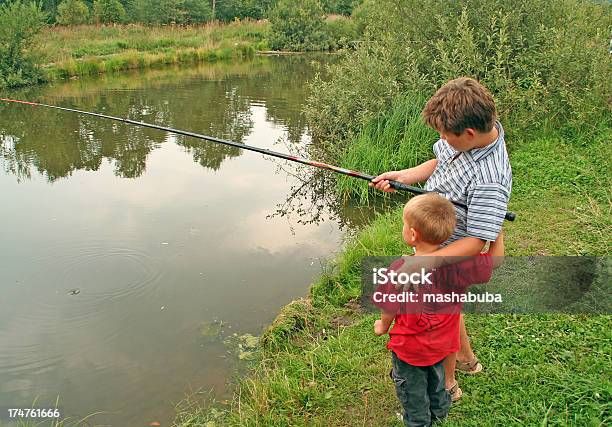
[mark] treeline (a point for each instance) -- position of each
(156, 12)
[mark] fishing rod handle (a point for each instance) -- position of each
(510, 216)
(404, 187)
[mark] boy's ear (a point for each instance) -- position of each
(470, 132)
(414, 235)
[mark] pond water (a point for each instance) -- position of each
(128, 255)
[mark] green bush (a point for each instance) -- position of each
(363, 14)
(49, 7)
(169, 11)
(164, 11)
(109, 11)
(196, 11)
(547, 63)
(298, 25)
(19, 24)
(137, 11)
(72, 12)
(341, 7)
(341, 31)
(229, 10)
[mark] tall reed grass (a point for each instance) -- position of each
(396, 139)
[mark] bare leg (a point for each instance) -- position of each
(465, 353)
(449, 370)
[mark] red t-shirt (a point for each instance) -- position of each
(424, 332)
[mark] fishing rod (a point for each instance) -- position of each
(510, 216)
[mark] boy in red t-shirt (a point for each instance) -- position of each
(427, 331)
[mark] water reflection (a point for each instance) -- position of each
(56, 143)
(313, 200)
(157, 244)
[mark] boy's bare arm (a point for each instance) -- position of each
(382, 325)
(467, 246)
(454, 252)
(457, 251)
(497, 250)
(407, 176)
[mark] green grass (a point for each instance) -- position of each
(320, 363)
(538, 370)
(376, 150)
(562, 195)
(62, 43)
(89, 49)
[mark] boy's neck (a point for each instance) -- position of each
(424, 248)
(484, 139)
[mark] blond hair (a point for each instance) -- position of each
(432, 216)
(460, 104)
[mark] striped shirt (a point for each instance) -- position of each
(480, 178)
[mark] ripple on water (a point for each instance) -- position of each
(52, 324)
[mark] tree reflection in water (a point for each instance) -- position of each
(313, 199)
(214, 99)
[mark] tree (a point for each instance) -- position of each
(341, 7)
(228, 10)
(109, 11)
(72, 12)
(164, 11)
(196, 11)
(49, 7)
(298, 25)
(19, 24)
(137, 10)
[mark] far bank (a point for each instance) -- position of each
(94, 49)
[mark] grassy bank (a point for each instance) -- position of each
(91, 49)
(320, 361)
(322, 365)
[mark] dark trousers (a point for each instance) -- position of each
(421, 392)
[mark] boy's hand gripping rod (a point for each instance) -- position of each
(510, 216)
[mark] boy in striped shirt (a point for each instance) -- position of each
(471, 167)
